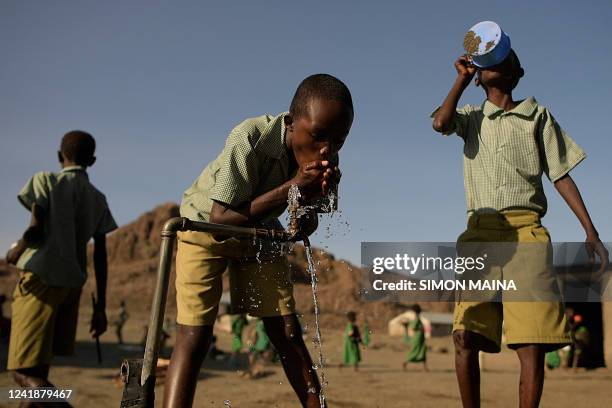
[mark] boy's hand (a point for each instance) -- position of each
(595, 246)
(13, 254)
(310, 178)
(98, 322)
(465, 68)
(331, 178)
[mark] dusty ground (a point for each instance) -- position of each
(379, 383)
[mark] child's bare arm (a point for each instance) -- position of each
(570, 193)
(32, 236)
(443, 119)
(99, 321)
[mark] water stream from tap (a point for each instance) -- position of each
(317, 339)
(319, 367)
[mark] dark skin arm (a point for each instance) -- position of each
(32, 236)
(98, 320)
(443, 119)
(570, 193)
(312, 179)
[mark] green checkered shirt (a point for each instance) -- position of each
(253, 162)
(506, 153)
(75, 212)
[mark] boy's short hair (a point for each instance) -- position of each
(351, 316)
(78, 146)
(322, 86)
(416, 308)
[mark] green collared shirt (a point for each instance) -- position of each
(253, 161)
(506, 153)
(75, 211)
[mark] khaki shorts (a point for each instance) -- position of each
(259, 289)
(524, 322)
(44, 322)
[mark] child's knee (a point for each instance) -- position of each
(283, 329)
(464, 342)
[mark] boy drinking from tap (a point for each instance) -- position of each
(247, 185)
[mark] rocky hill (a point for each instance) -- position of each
(133, 256)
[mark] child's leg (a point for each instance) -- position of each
(467, 346)
(531, 357)
(476, 327)
(198, 291)
(32, 377)
(189, 351)
(286, 336)
(34, 327)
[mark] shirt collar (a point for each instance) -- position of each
(272, 139)
(73, 169)
(525, 108)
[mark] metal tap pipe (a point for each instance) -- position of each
(139, 390)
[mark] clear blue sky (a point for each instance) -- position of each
(160, 84)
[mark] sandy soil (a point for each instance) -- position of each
(379, 383)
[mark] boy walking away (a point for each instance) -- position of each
(416, 334)
(248, 185)
(351, 355)
(67, 211)
(509, 144)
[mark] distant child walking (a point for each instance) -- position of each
(66, 212)
(351, 355)
(508, 145)
(416, 340)
(238, 322)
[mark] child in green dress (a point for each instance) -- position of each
(418, 348)
(239, 322)
(352, 339)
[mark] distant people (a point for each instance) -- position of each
(415, 332)
(239, 322)
(66, 212)
(260, 351)
(366, 334)
(553, 359)
(582, 341)
(351, 355)
(120, 321)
